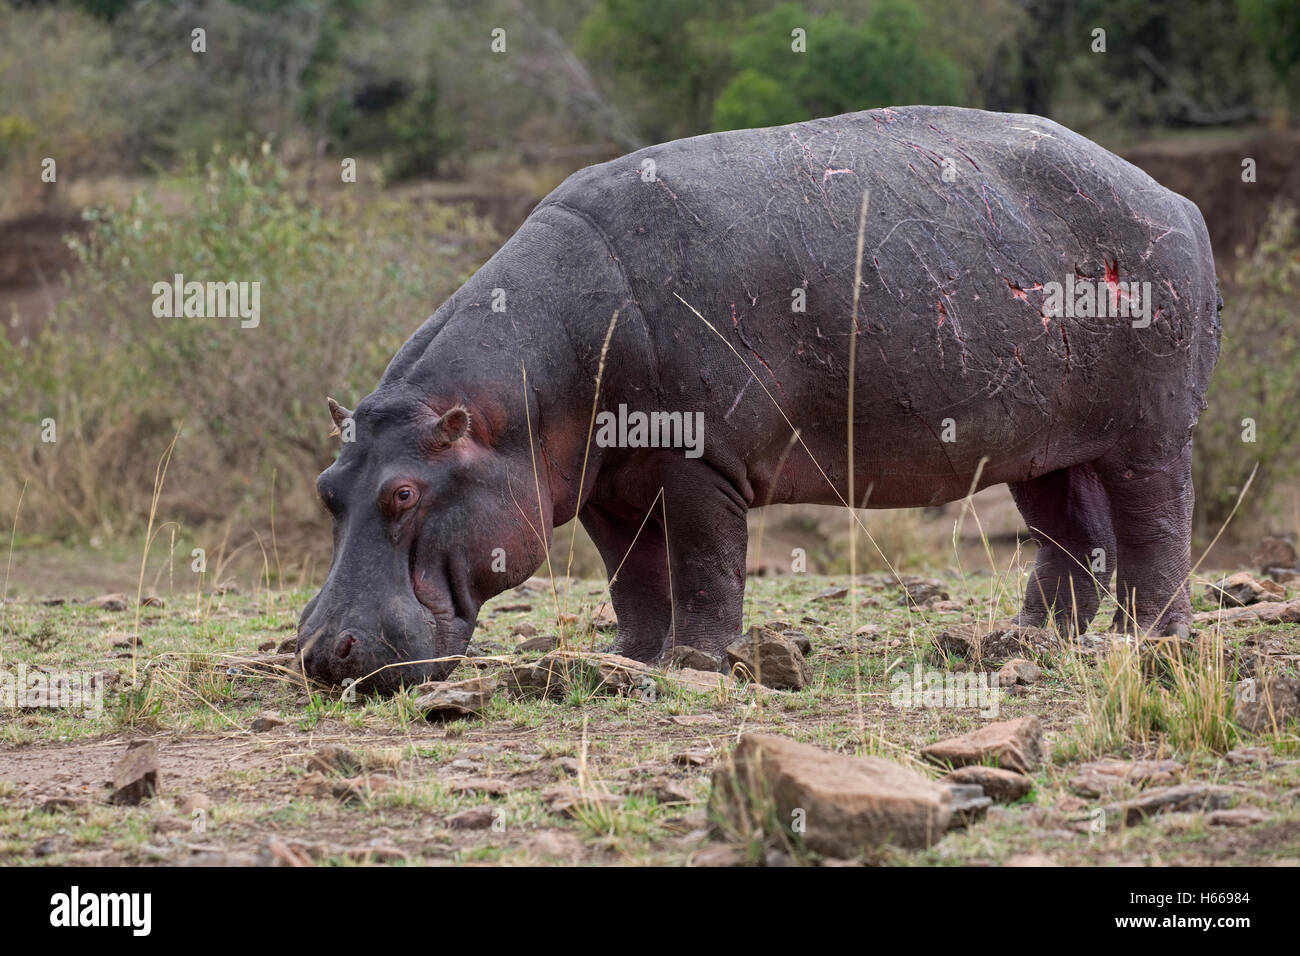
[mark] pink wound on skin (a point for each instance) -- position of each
(833, 172)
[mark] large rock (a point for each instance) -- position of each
(135, 775)
(770, 659)
(846, 804)
(1274, 555)
(455, 698)
(1264, 705)
(1004, 786)
(997, 643)
(1013, 744)
(1241, 589)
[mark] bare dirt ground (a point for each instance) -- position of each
(592, 777)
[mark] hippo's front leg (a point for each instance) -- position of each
(677, 573)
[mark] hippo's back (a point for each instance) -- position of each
(974, 219)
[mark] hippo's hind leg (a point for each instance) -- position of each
(1151, 508)
(637, 564)
(1068, 514)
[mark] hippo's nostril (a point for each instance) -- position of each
(343, 647)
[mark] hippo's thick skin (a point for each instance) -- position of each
(971, 215)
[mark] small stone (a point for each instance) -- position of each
(455, 698)
(1196, 797)
(334, 759)
(135, 776)
(1265, 612)
(266, 721)
(992, 643)
(568, 802)
(187, 803)
(477, 818)
(1264, 706)
(718, 855)
(151, 600)
(1018, 671)
(288, 646)
(770, 659)
(1014, 745)
(969, 804)
(1099, 777)
(691, 658)
(847, 803)
(286, 854)
(1241, 590)
(266, 646)
(945, 607)
(65, 803)
(693, 758)
(524, 631)
(358, 789)
(1275, 553)
(473, 786)
(109, 602)
(1003, 786)
(1238, 817)
(919, 591)
(604, 618)
(547, 642)
(557, 844)
(831, 594)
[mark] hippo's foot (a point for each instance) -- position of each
(1068, 514)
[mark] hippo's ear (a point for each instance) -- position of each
(451, 426)
(339, 414)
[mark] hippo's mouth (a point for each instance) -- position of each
(452, 613)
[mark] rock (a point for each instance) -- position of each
(1099, 777)
(1018, 671)
(72, 803)
(1266, 612)
(945, 607)
(831, 595)
(1272, 554)
(799, 634)
(719, 854)
(693, 758)
(666, 790)
(1238, 817)
(286, 854)
(847, 804)
(1003, 786)
(869, 630)
(266, 721)
(993, 643)
(604, 618)
(288, 646)
(701, 682)
(1013, 744)
(135, 776)
(151, 600)
(477, 818)
(314, 786)
(1240, 590)
(556, 843)
(455, 698)
(375, 853)
(1030, 859)
(1195, 797)
(473, 786)
(770, 659)
(109, 602)
(334, 759)
(187, 803)
(547, 642)
(568, 802)
(919, 591)
(266, 646)
(559, 671)
(361, 788)
(1266, 706)
(524, 631)
(683, 656)
(969, 805)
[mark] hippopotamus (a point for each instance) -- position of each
(995, 298)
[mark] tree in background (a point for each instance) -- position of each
(887, 60)
(1275, 26)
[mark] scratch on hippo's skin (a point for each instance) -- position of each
(834, 172)
(739, 395)
(677, 201)
(735, 324)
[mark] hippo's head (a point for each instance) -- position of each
(424, 532)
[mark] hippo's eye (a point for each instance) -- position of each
(403, 497)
